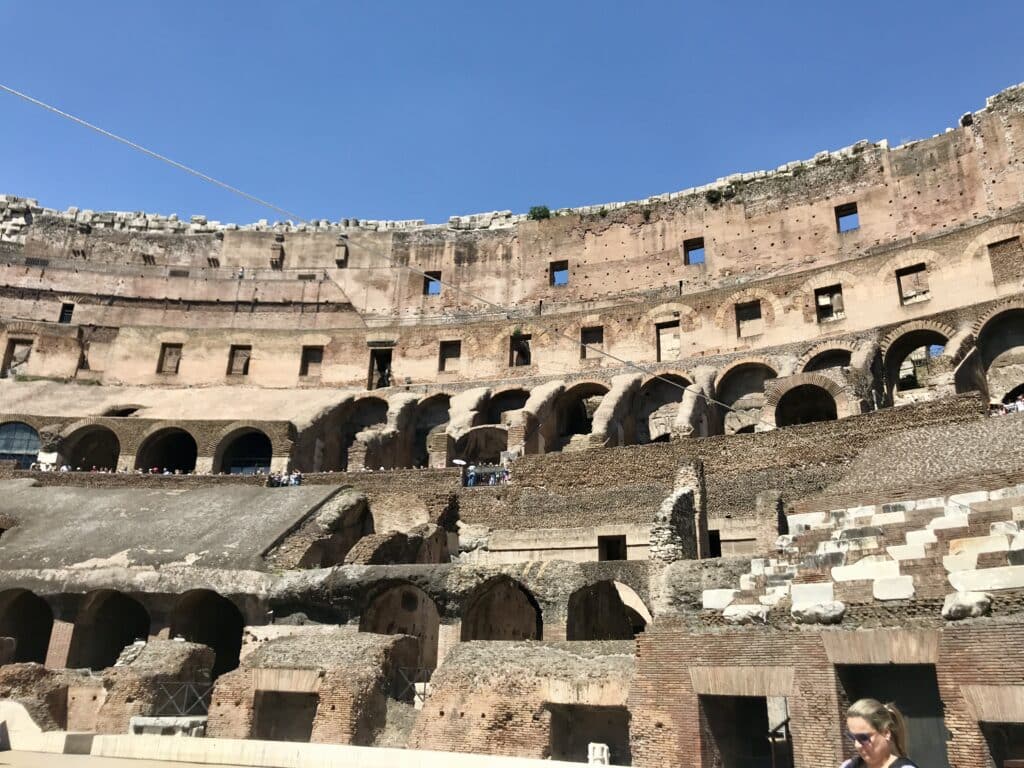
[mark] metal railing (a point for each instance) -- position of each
(182, 699)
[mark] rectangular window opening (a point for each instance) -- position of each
(591, 342)
(67, 311)
(312, 360)
(448, 356)
(307, 276)
(611, 548)
(714, 543)
(380, 369)
(828, 303)
(170, 358)
(847, 218)
(238, 360)
(212, 261)
(693, 251)
(15, 357)
(558, 272)
(519, 353)
(667, 339)
(149, 260)
(179, 273)
(284, 715)
(913, 284)
(748, 319)
(432, 283)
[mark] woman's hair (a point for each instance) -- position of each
(883, 717)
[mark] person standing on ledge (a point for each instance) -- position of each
(879, 733)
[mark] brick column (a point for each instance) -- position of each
(60, 644)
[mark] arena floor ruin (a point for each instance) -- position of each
(763, 458)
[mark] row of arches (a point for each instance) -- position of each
(94, 446)
(501, 608)
(108, 621)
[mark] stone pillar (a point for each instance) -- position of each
(60, 644)
(448, 636)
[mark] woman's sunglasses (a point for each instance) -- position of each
(860, 738)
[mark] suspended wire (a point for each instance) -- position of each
(294, 217)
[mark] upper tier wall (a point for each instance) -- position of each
(752, 225)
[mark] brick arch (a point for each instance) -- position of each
(824, 346)
(131, 446)
(993, 313)
(976, 248)
(680, 373)
(772, 309)
(929, 258)
(805, 293)
(664, 312)
(777, 388)
(212, 445)
(917, 325)
(754, 360)
(21, 327)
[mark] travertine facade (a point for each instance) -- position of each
(754, 470)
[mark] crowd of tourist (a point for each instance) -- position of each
(476, 476)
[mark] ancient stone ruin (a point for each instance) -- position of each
(665, 483)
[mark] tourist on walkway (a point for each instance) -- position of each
(879, 734)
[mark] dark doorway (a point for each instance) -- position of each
(405, 610)
(596, 612)
(247, 454)
(714, 543)
(1005, 743)
(575, 726)
(805, 404)
(737, 732)
(380, 369)
(28, 619)
(915, 691)
(107, 623)
(611, 548)
(92, 448)
(283, 716)
(171, 449)
(501, 610)
(202, 616)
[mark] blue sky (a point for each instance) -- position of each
(424, 110)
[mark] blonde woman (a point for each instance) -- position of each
(879, 733)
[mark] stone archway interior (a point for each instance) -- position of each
(405, 610)
(171, 449)
(502, 611)
(247, 454)
(202, 616)
(108, 622)
(805, 404)
(27, 619)
(92, 448)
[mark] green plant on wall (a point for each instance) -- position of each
(538, 212)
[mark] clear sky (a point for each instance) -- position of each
(429, 109)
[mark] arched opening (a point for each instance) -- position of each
(28, 619)
(502, 609)
(482, 445)
(805, 404)
(107, 623)
(431, 416)
(202, 616)
(92, 447)
(171, 449)
(501, 403)
(345, 531)
(1014, 394)
(575, 409)
(405, 609)
(910, 360)
(658, 407)
(1001, 348)
(742, 390)
(245, 453)
(605, 611)
(830, 358)
(366, 413)
(18, 443)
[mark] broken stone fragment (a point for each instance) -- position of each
(966, 605)
(746, 614)
(831, 612)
